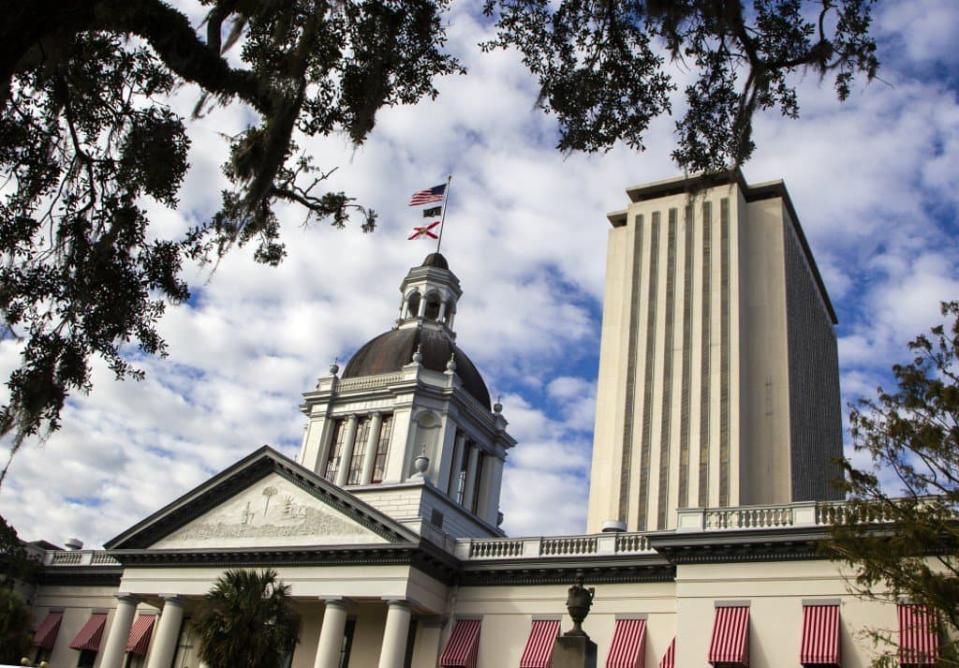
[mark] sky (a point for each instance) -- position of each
(875, 181)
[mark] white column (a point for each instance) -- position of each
(494, 472)
(116, 644)
(371, 443)
(456, 464)
(347, 453)
(395, 634)
(331, 634)
(167, 633)
(422, 309)
(318, 466)
(442, 312)
(471, 476)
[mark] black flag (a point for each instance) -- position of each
(432, 211)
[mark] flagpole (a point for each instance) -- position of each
(446, 199)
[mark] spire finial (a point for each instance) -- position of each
(418, 355)
(451, 364)
(498, 406)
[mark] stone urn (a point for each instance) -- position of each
(578, 603)
(420, 465)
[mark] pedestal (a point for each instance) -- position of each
(574, 652)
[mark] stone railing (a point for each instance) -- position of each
(799, 514)
(749, 517)
(79, 558)
(477, 549)
(370, 382)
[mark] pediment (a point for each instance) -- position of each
(273, 512)
(263, 501)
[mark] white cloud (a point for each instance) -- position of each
(874, 180)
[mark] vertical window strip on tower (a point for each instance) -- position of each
(724, 354)
(650, 366)
(665, 432)
(684, 424)
(628, 419)
(382, 447)
(704, 388)
(359, 451)
(336, 450)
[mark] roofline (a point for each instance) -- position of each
(678, 185)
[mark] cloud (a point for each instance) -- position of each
(875, 181)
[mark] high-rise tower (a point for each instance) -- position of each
(718, 374)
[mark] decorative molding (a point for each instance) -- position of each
(565, 573)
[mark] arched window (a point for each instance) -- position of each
(432, 306)
(413, 305)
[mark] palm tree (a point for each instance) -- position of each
(246, 620)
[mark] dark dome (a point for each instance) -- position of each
(393, 350)
(436, 260)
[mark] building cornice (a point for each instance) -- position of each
(596, 569)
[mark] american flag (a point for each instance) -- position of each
(434, 194)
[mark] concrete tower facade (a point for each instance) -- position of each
(718, 376)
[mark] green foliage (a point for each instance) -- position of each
(600, 65)
(900, 535)
(16, 641)
(15, 565)
(88, 145)
(246, 620)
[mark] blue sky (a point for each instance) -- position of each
(875, 181)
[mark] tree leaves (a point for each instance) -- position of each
(246, 620)
(901, 535)
(600, 65)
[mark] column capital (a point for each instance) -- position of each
(335, 601)
(127, 597)
(172, 599)
(396, 601)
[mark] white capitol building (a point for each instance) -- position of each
(717, 420)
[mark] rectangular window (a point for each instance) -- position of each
(382, 448)
(461, 474)
(87, 658)
(347, 645)
(359, 452)
(336, 450)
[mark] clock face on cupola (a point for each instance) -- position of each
(411, 410)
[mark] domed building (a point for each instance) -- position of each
(386, 528)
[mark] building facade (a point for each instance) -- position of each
(386, 529)
(718, 376)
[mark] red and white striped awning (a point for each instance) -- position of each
(918, 635)
(820, 635)
(139, 640)
(461, 648)
(730, 641)
(539, 646)
(92, 632)
(628, 649)
(46, 633)
(669, 658)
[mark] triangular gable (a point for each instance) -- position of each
(264, 500)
